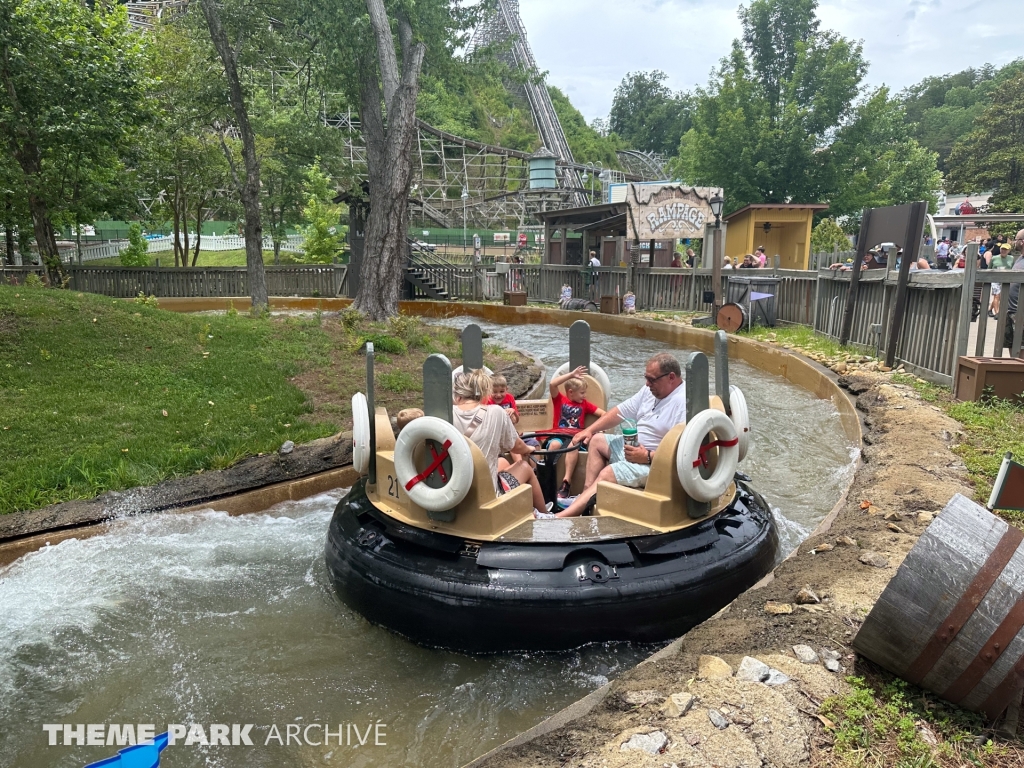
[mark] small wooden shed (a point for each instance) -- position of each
(784, 229)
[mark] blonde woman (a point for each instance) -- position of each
(490, 427)
(728, 263)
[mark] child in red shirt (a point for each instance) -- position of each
(570, 411)
(501, 396)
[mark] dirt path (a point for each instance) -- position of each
(908, 473)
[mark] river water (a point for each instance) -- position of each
(205, 618)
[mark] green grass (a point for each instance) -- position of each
(206, 259)
(801, 336)
(85, 382)
(880, 723)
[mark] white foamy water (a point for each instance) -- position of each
(207, 618)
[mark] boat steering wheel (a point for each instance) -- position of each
(547, 437)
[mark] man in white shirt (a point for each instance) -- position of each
(656, 408)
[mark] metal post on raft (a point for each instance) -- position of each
(697, 400)
(722, 369)
(372, 478)
(579, 344)
(472, 348)
(437, 387)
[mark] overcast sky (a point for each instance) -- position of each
(587, 46)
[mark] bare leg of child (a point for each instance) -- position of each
(570, 467)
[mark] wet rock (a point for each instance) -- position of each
(713, 668)
(642, 698)
(677, 705)
(846, 541)
(520, 377)
(286, 448)
(753, 671)
(807, 597)
(777, 609)
(805, 654)
(718, 719)
(873, 559)
(651, 743)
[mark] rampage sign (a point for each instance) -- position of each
(662, 211)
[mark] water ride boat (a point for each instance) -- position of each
(420, 544)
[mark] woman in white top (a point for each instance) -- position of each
(490, 427)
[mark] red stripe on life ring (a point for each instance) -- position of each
(435, 464)
(702, 456)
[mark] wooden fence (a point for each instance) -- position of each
(325, 280)
(937, 326)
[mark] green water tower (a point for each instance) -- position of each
(542, 169)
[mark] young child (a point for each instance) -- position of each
(570, 411)
(501, 396)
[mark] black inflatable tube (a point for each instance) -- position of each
(432, 589)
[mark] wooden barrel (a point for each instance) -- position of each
(951, 619)
(732, 317)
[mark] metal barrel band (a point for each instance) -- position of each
(1000, 698)
(988, 655)
(434, 465)
(965, 607)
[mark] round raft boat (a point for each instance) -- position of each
(476, 573)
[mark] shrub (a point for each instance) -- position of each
(384, 343)
(135, 254)
(32, 280)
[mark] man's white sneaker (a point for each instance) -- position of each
(543, 515)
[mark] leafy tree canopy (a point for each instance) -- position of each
(991, 155)
(942, 109)
(647, 115)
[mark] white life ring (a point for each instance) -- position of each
(740, 419)
(451, 493)
(360, 434)
(599, 375)
(688, 456)
(457, 371)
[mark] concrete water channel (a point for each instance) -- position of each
(207, 618)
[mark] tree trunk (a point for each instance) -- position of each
(199, 231)
(389, 163)
(28, 157)
(249, 191)
(175, 206)
(9, 232)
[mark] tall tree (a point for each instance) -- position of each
(70, 75)
(764, 126)
(647, 115)
(247, 183)
(991, 156)
(374, 53)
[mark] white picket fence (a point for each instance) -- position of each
(293, 244)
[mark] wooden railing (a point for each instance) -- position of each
(325, 280)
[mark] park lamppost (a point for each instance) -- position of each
(716, 203)
(591, 171)
(465, 197)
